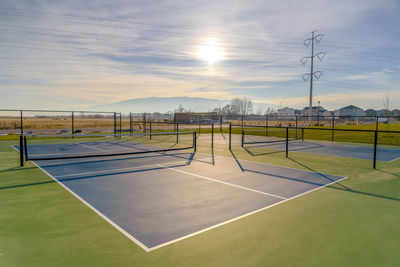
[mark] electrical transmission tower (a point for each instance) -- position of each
(317, 74)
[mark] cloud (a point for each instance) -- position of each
(79, 53)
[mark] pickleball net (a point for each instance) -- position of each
(270, 136)
(54, 147)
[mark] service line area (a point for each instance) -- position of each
(157, 199)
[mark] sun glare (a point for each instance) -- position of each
(210, 51)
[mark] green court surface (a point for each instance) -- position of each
(354, 222)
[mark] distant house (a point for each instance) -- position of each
(351, 111)
(382, 112)
(395, 112)
(316, 111)
(370, 112)
(286, 112)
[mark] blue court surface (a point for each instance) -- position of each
(349, 150)
(156, 199)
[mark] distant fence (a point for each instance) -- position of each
(14, 121)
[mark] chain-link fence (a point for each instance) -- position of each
(378, 149)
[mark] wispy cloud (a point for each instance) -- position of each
(80, 53)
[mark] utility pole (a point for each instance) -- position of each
(314, 38)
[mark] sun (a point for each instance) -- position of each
(210, 51)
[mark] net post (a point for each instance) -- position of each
(333, 127)
(230, 136)
(177, 132)
(25, 146)
(302, 134)
(21, 151)
(287, 142)
(242, 141)
(22, 123)
(375, 145)
(377, 123)
(73, 122)
(115, 123)
(212, 136)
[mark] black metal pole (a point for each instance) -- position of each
(333, 128)
(302, 134)
(287, 141)
(220, 123)
(212, 136)
(266, 125)
(115, 123)
(72, 122)
(377, 123)
(194, 141)
(230, 136)
(21, 150)
(120, 123)
(25, 148)
(150, 130)
(296, 126)
(22, 123)
(144, 122)
(242, 142)
(177, 133)
(130, 123)
(375, 145)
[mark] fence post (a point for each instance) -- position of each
(130, 123)
(21, 151)
(266, 125)
(220, 124)
(22, 123)
(73, 122)
(194, 141)
(296, 126)
(287, 141)
(230, 136)
(302, 134)
(144, 122)
(115, 122)
(212, 136)
(120, 123)
(242, 142)
(333, 127)
(25, 146)
(377, 123)
(150, 130)
(177, 132)
(375, 145)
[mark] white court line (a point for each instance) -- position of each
(140, 244)
(123, 169)
(239, 217)
(218, 181)
(147, 249)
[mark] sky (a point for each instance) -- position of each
(84, 54)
